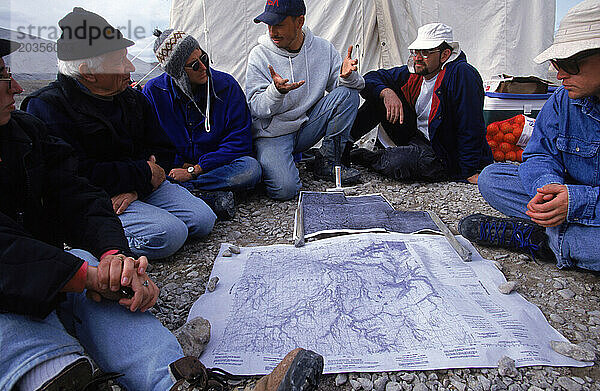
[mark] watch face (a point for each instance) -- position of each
(191, 169)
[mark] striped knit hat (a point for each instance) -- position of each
(172, 49)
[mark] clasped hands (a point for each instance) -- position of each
(117, 271)
(550, 206)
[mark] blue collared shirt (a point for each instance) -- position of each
(564, 149)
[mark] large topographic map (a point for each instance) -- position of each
(369, 302)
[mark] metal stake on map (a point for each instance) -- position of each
(299, 226)
(338, 182)
(338, 177)
(462, 251)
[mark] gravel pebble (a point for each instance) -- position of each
(569, 384)
(212, 284)
(341, 378)
(506, 367)
(574, 351)
(566, 293)
(393, 386)
(508, 287)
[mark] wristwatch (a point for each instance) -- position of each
(192, 170)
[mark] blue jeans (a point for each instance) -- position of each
(158, 225)
(132, 343)
(331, 118)
(572, 244)
(241, 174)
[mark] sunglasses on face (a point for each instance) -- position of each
(571, 64)
(7, 77)
(425, 53)
(195, 65)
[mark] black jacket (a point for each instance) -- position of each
(113, 139)
(43, 204)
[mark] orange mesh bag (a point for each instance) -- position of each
(508, 138)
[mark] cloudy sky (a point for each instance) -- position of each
(135, 18)
(128, 15)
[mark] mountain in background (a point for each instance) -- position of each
(36, 59)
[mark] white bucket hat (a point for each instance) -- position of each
(433, 35)
(579, 30)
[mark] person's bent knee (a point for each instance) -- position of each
(284, 191)
(163, 242)
(488, 179)
(348, 97)
(484, 181)
(201, 221)
(249, 175)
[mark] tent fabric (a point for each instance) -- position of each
(498, 36)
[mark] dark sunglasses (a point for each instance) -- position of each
(7, 78)
(195, 65)
(571, 64)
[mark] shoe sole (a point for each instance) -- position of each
(74, 377)
(304, 372)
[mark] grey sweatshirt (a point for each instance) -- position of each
(318, 63)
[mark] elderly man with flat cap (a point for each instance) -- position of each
(117, 138)
(431, 108)
(553, 197)
(50, 330)
(287, 76)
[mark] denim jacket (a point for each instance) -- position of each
(564, 149)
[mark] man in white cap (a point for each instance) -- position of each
(431, 108)
(553, 198)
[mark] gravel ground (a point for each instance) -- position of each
(568, 298)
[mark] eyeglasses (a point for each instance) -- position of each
(571, 64)
(195, 65)
(7, 78)
(425, 53)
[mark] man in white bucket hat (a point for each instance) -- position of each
(553, 198)
(431, 108)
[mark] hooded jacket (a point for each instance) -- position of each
(43, 204)
(456, 125)
(317, 63)
(230, 135)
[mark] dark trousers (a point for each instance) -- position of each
(372, 113)
(413, 158)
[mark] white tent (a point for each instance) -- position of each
(498, 36)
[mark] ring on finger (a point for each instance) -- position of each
(146, 283)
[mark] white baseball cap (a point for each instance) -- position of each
(433, 35)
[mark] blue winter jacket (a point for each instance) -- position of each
(456, 125)
(230, 134)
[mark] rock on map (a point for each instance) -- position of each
(369, 302)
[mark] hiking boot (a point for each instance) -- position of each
(300, 370)
(221, 202)
(325, 169)
(513, 233)
(79, 376)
